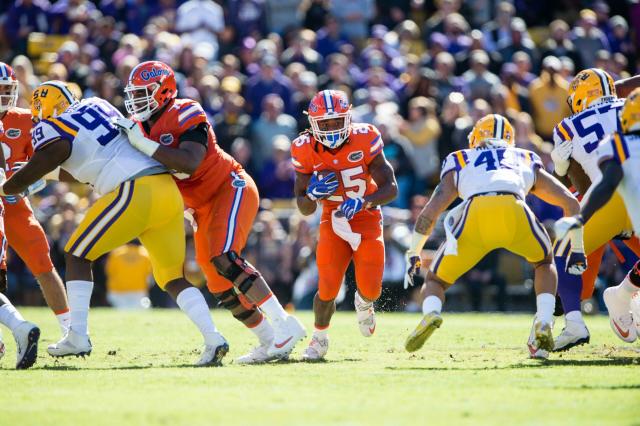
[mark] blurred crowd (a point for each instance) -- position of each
(423, 71)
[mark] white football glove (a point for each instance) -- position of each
(413, 263)
(133, 130)
(566, 224)
(189, 214)
(560, 156)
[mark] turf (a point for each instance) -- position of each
(474, 370)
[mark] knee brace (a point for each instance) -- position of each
(230, 300)
(236, 269)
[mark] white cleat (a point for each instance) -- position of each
(573, 334)
(2, 348)
(287, 334)
(366, 316)
(635, 311)
(26, 336)
(316, 350)
(620, 316)
(72, 344)
(540, 340)
(212, 355)
(258, 355)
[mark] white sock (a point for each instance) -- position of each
(574, 316)
(361, 304)
(546, 303)
(79, 295)
(192, 303)
(9, 315)
(431, 304)
(63, 321)
(274, 310)
(321, 333)
(627, 287)
(263, 331)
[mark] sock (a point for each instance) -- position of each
(9, 315)
(192, 303)
(272, 307)
(627, 287)
(431, 304)
(569, 287)
(63, 318)
(574, 316)
(79, 295)
(545, 303)
(361, 304)
(263, 331)
(321, 332)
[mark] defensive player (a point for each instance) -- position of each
(26, 334)
(222, 197)
(595, 107)
(342, 166)
(492, 177)
(618, 159)
(24, 233)
(138, 200)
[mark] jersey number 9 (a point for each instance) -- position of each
(97, 121)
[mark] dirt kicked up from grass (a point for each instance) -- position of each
(474, 370)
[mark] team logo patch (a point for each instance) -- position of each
(356, 156)
(13, 133)
(238, 183)
(343, 103)
(313, 107)
(166, 139)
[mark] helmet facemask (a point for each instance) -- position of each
(140, 101)
(329, 131)
(8, 95)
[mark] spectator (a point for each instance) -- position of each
(498, 31)
(277, 177)
(337, 74)
(479, 82)
(354, 17)
(330, 37)
(523, 68)
(128, 271)
(302, 52)
(23, 18)
(268, 80)
(436, 22)
(247, 18)
(200, 21)
(517, 95)
(588, 38)
(315, 13)
(444, 80)
(559, 44)
(455, 122)
(272, 122)
(282, 15)
(399, 153)
(231, 122)
(301, 99)
(549, 97)
(519, 41)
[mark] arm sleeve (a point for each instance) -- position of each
(300, 157)
(199, 134)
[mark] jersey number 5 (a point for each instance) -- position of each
(354, 186)
(589, 128)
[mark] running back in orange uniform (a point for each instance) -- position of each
(342, 166)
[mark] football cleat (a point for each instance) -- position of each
(212, 355)
(26, 336)
(635, 311)
(542, 336)
(258, 355)
(573, 334)
(366, 316)
(317, 349)
(430, 322)
(287, 334)
(2, 348)
(620, 317)
(72, 344)
(534, 352)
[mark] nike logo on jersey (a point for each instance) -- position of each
(317, 166)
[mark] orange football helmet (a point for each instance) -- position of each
(8, 88)
(330, 117)
(151, 85)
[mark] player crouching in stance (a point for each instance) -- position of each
(342, 166)
(222, 200)
(618, 158)
(492, 177)
(139, 200)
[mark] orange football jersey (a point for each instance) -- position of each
(16, 140)
(180, 116)
(350, 162)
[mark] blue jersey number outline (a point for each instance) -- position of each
(92, 117)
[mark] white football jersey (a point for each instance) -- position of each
(492, 169)
(625, 150)
(100, 154)
(586, 129)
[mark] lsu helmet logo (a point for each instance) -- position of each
(166, 139)
(152, 73)
(13, 133)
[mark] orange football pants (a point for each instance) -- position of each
(224, 225)
(26, 237)
(594, 260)
(334, 255)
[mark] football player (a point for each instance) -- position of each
(24, 233)
(26, 334)
(138, 200)
(618, 160)
(341, 166)
(595, 107)
(493, 178)
(221, 198)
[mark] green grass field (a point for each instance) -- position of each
(474, 370)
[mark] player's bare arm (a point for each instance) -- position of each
(553, 192)
(626, 86)
(382, 174)
(578, 178)
(43, 161)
(184, 159)
(442, 197)
(305, 204)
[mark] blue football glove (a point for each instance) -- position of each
(351, 206)
(320, 189)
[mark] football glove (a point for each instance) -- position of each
(320, 189)
(136, 137)
(566, 224)
(560, 156)
(576, 263)
(413, 264)
(351, 206)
